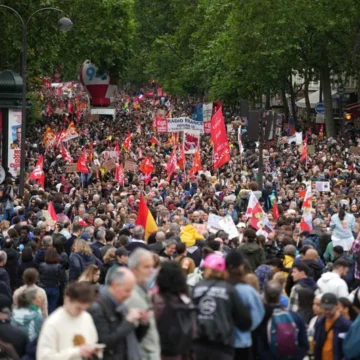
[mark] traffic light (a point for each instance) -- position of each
(348, 116)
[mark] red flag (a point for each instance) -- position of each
(154, 141)
(81, 164)
(305, 150)
(171, 164)
(119, 175)
(275, 210)
(196, 167)
(117, 149)
(258, 219)
(220, 140)
(127, 142)
(91, 152)
(65, 154)
(181, 160)
(146, 167)
(306, 218)
(51, 211)
(145, 218)
(38, 173)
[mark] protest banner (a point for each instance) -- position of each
(109, 165)
(184, 123)
(213, 223)
(14, 141)
(227, 224)
(161, 125)
(191, 141)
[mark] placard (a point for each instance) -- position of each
(227, 224)
(322, 186)
(109, 165)
(48, 218)
(213, 223)
(130, 165)
(355, 150)
(71, 168)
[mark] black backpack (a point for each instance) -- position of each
(176, 325)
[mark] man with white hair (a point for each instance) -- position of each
(141, 263)
(99, 243)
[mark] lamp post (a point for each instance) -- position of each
(64, 24)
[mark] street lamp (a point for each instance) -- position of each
(64, 24)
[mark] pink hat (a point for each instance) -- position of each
(215, 262)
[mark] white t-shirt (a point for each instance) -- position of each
(62, 334)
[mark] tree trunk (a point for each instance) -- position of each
(267, 104)
(292, 100)
(326, 85)
(307, 99)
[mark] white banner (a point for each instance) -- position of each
(14, 141)
(207, 111)
(191, 141)
(322, 186)
(184, 123)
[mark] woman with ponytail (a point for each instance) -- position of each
(342, 226)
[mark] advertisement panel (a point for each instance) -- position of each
(14, 141)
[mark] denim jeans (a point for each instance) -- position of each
(53, 297)
(7, 213)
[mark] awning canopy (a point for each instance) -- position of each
(314, 99)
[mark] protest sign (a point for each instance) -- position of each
(227, 224)
(213, 223)
(322, 185)
(191, 141)
(130, 165)
(71, 168)
(109, 165)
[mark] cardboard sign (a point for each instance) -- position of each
(48, 218)
(355, 150)
(322, 186)
(109, 165)
(130, 165)
(71, 168)
(227, 224)
(311, 149)
(213, 223)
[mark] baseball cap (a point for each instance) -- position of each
(215, 262)
(328, 301)
(121, 252)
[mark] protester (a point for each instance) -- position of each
(115, 323)
(79, 340)
(220, 311)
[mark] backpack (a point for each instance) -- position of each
(176, 325)
(282, 335)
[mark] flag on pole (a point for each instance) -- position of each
(305, 150)
(119, 175)
(52, 211)
(91, 152)
(258, 219)
(220, 140)
(241, 147)
(181, 160)
(306, 218)
(146, 167)
(196, 167)
(127, 142)
(65, 154)
(38, 173)
(171, 165)
(145, 218)
(81, 164)
(71, 132)
(154, 141)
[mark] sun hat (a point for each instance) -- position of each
(214, 262)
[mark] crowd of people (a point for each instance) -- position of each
(93, 283)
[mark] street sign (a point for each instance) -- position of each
(320, 108)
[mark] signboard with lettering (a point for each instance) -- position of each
(71, 168)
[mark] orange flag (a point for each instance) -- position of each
(71, 132)
(146, 167)
(196, 167)
(145, 219)
(305, 150)
(181, 160)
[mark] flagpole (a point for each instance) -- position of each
(183, 152)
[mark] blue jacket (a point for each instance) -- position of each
(262, 348)
(351, 348)
(79, 262)
(341, 325)
(253, 302)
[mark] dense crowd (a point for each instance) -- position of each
(92, 284)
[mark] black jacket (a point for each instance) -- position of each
(21, 267)
(112, 327)
(11, 265)
(13, 335)
(4, 277)
(96, 246)
(220, 311)
(50, 275)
